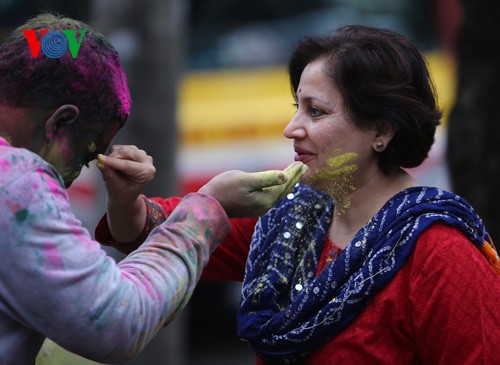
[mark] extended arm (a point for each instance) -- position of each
(63, 285)
(127, 170)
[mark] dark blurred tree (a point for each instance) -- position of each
(150, 38)
(474, 125)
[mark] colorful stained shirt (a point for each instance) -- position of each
(57, 282)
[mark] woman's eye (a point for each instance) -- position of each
(315, 112)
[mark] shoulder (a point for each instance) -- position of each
(445, 250)
(454, 289)
(16, 163)
(29, 184)
(441, 238)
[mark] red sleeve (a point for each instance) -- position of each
(455, 296)
(168, 204)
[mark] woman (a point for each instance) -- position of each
(360, 264)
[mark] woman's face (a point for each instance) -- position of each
(324, 138)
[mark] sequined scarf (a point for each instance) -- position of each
(286, 312)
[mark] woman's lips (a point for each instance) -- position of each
(303, 155)
(303, 158)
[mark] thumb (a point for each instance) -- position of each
(114, 163)
(288, 176)
(293, 173)
(108, 173)
(265, 179)
(133, 170)
(101, 164)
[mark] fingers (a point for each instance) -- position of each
(122, 158)
(245, 194)
(289, 176)
(294, 172)
(264, 179)
(271, 194)
(126, 162)
(129, 152)
(137, 171)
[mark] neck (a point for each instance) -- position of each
(21, 127)
(365, 202)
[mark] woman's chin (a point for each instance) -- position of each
(311, 178)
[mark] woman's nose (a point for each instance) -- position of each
(294, 129)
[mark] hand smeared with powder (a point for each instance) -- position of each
(245, 194)
(127, 170)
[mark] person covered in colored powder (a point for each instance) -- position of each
(56, 115)
(360, 264)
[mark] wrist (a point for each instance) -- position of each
(124, 203)
(126, 222)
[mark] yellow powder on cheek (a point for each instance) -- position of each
(337, 178)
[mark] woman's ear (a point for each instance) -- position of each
(385, 130)
(385, 133)
(63, 117)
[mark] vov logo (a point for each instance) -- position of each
(54, 44)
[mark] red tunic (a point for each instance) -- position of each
(442, 307)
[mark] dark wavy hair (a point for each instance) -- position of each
(384, 83)
(94, 81)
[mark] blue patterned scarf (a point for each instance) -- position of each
(286, 312)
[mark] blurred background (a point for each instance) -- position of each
(210, 93)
